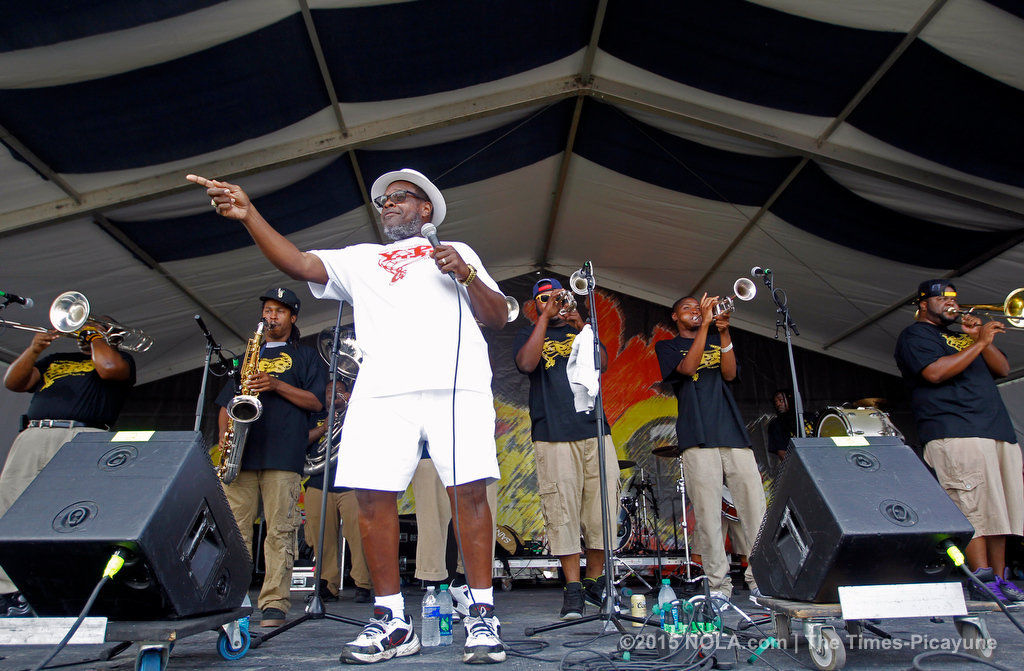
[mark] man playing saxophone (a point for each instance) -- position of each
(289, 382)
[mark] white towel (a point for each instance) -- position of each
(584, 379)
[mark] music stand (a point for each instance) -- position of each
(608, 612)
(315, 607)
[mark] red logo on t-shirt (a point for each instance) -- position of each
(397, 261)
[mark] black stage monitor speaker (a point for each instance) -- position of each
(868, 514)
(153, 493)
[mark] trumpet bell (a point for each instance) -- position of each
(513, 308)
(744, 289)
(69, 311)
(579, 284)
(1013, 308)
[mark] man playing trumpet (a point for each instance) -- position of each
(967, 434)
(715, 446)
(565, 446)
(71, 392)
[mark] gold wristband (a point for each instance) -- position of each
(469, 278)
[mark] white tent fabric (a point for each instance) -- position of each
(856, 147)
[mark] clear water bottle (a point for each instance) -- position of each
(430, 632)
(444, 621)
(666, 595)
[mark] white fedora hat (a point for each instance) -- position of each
(416, 177)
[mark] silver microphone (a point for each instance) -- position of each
(757, 271)
(429, 231)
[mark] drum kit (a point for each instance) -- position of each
(863, 417)
(638, 513)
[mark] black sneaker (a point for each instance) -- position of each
(362, 595)
(14, 605)
(272, 617)
(593, 590)
(382, 638)
(572, 601)
(325, 592)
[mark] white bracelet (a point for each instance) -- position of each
(727, 348)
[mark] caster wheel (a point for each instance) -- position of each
(975, 643)
(149, 660)
(830, 654)
(225, 649)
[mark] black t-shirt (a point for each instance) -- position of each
(780, 429)
(967, 405)
(277, 440)
(552, 410)
(708, 415)
(71, 388)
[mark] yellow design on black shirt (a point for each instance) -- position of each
(555, 348)
(278, 364)
(58, 369)
(958, 341)
(709, 358)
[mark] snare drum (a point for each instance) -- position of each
(836, 421)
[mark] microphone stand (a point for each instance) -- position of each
(608, 613)
(315, 607)
(212, 346)
(785, 320)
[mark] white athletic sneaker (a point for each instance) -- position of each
(483, 636)
(382, 638)
(460, 601)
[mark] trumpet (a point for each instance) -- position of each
(579, 283)
(566, 302)
(1012, 309)
(70, 315)
(512, 305)
(743, 289)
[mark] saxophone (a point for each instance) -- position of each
(243, 410)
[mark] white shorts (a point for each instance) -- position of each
(380, 441)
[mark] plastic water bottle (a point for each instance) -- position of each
(431, 632)
(444, 621)
(669, 616)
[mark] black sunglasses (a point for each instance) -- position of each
(395, 197)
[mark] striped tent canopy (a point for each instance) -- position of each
(855, 147)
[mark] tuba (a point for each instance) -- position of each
(316, 456)
(243, 410)
(349, 359)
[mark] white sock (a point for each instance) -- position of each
(396, 602)
(485, 596)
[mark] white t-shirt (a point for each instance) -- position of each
(407, 317)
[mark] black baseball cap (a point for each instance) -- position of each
(285, 296)
(930, 288)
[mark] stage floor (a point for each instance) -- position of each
(314, 646)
